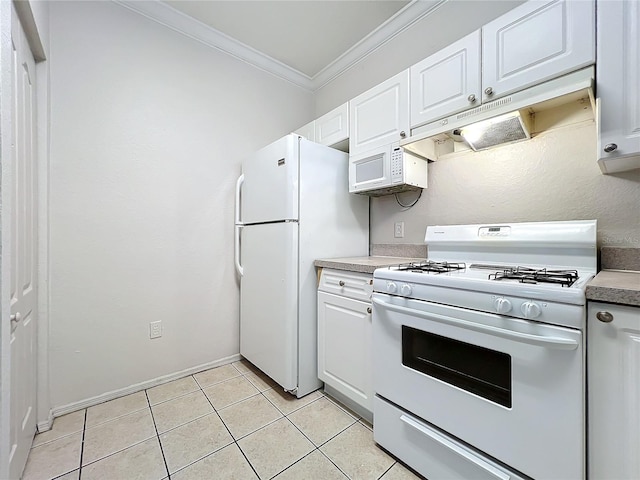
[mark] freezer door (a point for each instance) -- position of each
(269, 300)
(270, 190)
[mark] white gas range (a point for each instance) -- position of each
(479, 352)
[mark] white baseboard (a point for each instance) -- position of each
(105, 397)
(45, 424)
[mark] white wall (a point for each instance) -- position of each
(553, 176)
(451, 21)
(148, 129)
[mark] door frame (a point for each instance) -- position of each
(44, 418)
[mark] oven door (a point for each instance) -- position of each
(511, 388)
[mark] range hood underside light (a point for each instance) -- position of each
(437, 138)
(508, 128)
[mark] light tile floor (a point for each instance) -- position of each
(230, 422)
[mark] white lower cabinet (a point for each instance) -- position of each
(613, 353)
(344, 338)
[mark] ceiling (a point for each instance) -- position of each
(307, 42)
(306, 35)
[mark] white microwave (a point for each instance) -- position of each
(386, 170)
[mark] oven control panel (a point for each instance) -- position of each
(484, 232)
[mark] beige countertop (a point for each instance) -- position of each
(363, 264)
(615, 286)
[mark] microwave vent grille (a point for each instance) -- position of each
(484, 108)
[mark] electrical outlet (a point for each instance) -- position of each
(398, 230)
(155, 329)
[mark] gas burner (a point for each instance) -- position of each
(565, 278)
(430, 266)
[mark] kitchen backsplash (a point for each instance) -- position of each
(620, 258)
(408, 250)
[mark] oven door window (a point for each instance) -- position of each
(478, 370)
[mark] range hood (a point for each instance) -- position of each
(505, 120)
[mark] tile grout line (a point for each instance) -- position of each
(387, 470)
(235, 442)
(164, 459)
(84, 430)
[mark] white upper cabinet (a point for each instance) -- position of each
(535, 42)
(447, 82)
(380, 116)
(333, 127)
(618, 86)
(308, 131)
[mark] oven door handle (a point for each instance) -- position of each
(538, 340)
(487, 467)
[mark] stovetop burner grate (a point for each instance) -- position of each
(430, 267)
(565, 278)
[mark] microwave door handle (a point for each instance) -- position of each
(237, 227)
(487, 467)
(538, 340)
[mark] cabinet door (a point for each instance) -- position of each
(535, 42)
(613, 354)
(447, 82)
(380, 116)
(618, 86)
(333, 127)
(344, 347)
(308, 131)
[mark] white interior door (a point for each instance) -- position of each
(269, 300)
(23, 253)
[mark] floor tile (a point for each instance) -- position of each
(75, 475)
(321, 420)
(316, 466)
(248, 415)
(227, 464)
(356, 454)
(244, 366)
(288, 403)
(116, 408)
(230, 391)
(216, 375)
(62, 426)
(180, 410)
(171, 390)
(191, 442)
(116, 435)
(54, 458)
(400, 472)
(141, 462)
(260, 381)
(274, 447)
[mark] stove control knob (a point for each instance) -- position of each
(502, 305)
(530, 310)
(406, 290)
(392, 287)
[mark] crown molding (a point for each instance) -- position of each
(403, 19)
(189, 26)
(186, 25)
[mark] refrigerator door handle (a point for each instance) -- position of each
(238, 226)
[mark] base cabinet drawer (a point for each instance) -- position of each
(344, 347)
(358, 286)
(430, 451)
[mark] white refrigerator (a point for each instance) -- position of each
(292, 207)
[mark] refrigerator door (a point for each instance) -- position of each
(269, 300)
(270, 189)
